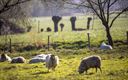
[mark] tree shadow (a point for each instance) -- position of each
(79, 29)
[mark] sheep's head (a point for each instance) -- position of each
(52, 57)
(81, 68)
(3, 55)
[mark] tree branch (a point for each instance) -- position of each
(126, 9)
(108, 11)
(113, 3)
(96, 12)
(101, 11)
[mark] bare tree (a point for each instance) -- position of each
(6, 5)
(103, 9)
(18, 9)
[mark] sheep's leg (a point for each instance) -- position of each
(96, 69)
(100, 69)
(53, 69)
(86, 71)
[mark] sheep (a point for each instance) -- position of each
(5, 57)
(19, 59)
(105, 46)
(38, 58)
(90, 62)
(51, 61)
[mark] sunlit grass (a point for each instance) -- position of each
(114, 67)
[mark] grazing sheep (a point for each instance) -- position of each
(105, 46)
(5, 57)
(90, 62)
(38, 58)
(19, 59)
(52, 61)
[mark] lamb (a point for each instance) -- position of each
(38, 58)
(19, 59)
(5, 57)
(51, 61)
(105, 46)
(90, 62)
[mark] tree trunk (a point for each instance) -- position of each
(56, 20)
(109, 37)
(73, 26)
(55, 26)
(73, 19)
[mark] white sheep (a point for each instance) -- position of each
(5, 57)
(90, 62)
(51, 61)
(105, 46)
(19, 59)
(38, 58)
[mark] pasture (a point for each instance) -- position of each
(71, 47)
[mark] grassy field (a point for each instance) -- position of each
(114, 66)
(70, 47)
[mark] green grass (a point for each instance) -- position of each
(113, 66)
(71, 47)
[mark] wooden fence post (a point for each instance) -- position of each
(93, 21)
(38, 26)
(88, 39)
(48, 42)
(10, 45)
(127, 36)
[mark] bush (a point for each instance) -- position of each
(49, 29)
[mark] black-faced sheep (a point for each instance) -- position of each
(105, 46)
(19, 59)
(38, 58)
(4, 57)
(90, 62)
(52, 61)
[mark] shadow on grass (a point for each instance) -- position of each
(91, 73)
(70, 45)
(41, 72)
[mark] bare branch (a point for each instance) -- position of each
(113, 3)
(126, 9)
(8, 5)
(108, 11)
(92, 7)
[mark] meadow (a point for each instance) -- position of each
(71, 47)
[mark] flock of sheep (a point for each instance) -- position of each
(51, 61)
